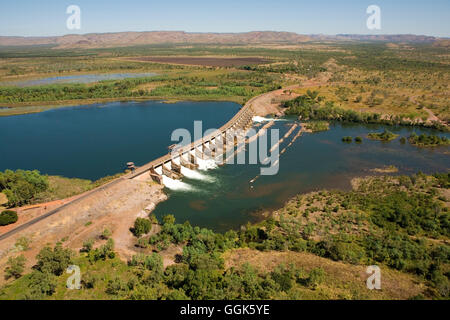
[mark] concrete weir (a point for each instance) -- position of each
(212, 146)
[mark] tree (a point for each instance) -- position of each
(41, 284)
(15, 267)
(141, 226)
(54, 261)
(177, 294)
(21, 186)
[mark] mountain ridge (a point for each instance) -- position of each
(131, 38)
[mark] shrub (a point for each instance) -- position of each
(283, 276)
(89, 280)
(316, 277)
(23, 243)
(347, 139)
(169, 219)
(106, 234)
(386, 135)
(425, 140)
(87, 245)
(8, 217)
(105, 251)
(15, 267)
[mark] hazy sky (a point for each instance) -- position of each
(48, 17)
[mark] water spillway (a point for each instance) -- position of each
(198, 154)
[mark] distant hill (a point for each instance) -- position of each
(96, 40)
(381, 37)
(389, 37)
(442, 43)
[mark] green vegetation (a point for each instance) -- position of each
(387, 220)
(141, 226)
(318, 126)
(358, 140)
(425, 140)
(386, 135)
(54, 261)
(8, 217)
(29, 187)
(315, 107)
(195, 83)
(22, 186)
(347, 139)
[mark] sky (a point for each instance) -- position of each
(48, 17)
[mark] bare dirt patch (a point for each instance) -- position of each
(204, 61)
